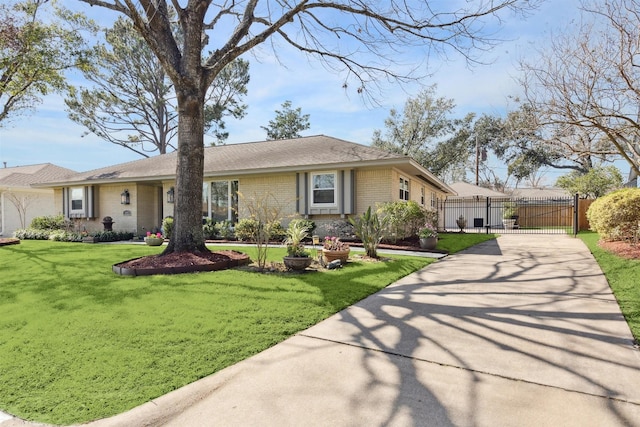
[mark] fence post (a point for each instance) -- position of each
(576, 214)
(488, 224)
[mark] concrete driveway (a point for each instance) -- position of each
(522, 331)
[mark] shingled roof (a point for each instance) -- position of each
(299, 154)
(24, 176)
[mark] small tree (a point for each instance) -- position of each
(288, 123)
(265, 210)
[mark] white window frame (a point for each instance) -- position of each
(434, 200)
(206, 190)
(405, 186)
(79, 211)
(422, 196)
(335, 189)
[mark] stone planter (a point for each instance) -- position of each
(428, 242)
(508, 223)
(153, 241)
(330, 255)
(297, 263)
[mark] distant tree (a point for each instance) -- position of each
(288, 123)
(584, 83)
(133, 104)
(597, 182)
(362, 39)
(35, 53)
(421, 127)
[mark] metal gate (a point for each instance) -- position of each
(506, 215)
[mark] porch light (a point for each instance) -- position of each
(171, 195)
(124, 197)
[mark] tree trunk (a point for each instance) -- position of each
(187, 234)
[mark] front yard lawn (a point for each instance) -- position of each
(623, 276)
(78, 342)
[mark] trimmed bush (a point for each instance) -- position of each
(405, 218)
(31, 234)
(246, 229)
(616, 216)
(57, 222)
(167, 227)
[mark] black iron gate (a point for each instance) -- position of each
(506, 215)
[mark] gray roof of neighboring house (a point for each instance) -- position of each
(548, 192)
(298, 154)
(464, 189)
(25, 176)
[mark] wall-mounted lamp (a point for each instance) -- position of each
(124, 197)
(171, 195)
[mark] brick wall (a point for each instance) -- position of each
(374, 186)
(281, 187)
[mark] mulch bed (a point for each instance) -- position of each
(176, 263)
(622, 249)
(9, 241)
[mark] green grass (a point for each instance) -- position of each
(455, 242)
(623, 276)
(78, 342)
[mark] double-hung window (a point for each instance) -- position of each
(404, 189)
(323, 189)
(76, 195)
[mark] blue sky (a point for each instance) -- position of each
(48, 135)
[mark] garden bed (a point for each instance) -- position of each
(177, 263)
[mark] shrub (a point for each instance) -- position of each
(167, 227)
(31, 234)
(405, 218)
(277, 231)
(342, 229)
(224, 229)
(209, 229)
(370, 228)
(57, 222)
(246, 229)
(616, 216)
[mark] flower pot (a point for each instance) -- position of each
(153, 241)
(428, 242)
(330, 255)
(508, 223)
(297, 262)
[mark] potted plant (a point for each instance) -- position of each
(154, 239)
(509, 217)
(297, 256)
(428, 235)
(333, 249)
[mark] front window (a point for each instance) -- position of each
(77, 200)
(323, 189)
(434, 200)
(220, 201)
(404, 189)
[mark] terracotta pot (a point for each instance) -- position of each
(153, 241)
(334, 255)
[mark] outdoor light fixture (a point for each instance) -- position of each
(171, 195)
(124, 197)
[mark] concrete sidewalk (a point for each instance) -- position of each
(522, 331)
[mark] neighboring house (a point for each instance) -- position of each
(20, 202)
(317, 177)
(471, 203)
(542, 192)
